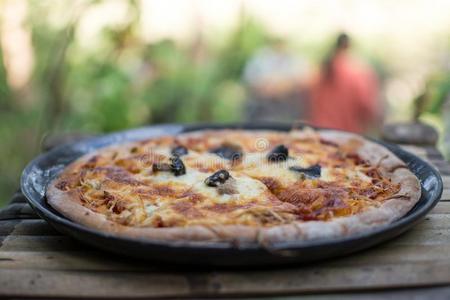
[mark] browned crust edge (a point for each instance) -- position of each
(391, 210)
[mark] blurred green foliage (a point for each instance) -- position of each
(439, 87)
(433, 106)
(118, 80)
(120, 83)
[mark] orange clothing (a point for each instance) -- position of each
(347, 100)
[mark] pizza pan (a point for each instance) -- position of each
(45, 167)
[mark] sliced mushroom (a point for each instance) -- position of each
(223, 181)
(228, 151)
(228, 188)
(176, 166)
(217, 178)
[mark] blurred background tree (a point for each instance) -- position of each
(100, 66)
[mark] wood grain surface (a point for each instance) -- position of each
(37, 261)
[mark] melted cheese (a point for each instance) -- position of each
(246, 188)
(129, 191)
(344, 176)
(189, 179)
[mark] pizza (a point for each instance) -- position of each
(255, 186)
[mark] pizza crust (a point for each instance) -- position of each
(397, 206)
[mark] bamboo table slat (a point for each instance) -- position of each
(37, 261)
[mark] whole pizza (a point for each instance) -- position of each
(237, 186)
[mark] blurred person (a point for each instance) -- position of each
(272, 77)
(344, 95)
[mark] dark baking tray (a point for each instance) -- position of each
(45, 167)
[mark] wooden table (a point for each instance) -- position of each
(37, 261)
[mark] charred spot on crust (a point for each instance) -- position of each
(228, 151)
(277, 154)
(220, 177)
(310, 172)
(179, 151)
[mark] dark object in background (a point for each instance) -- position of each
(43, 169)
(344, 94)
(410, 133)
(274, 77)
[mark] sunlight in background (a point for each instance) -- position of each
(102, 66)
(409, 37)
(16, 44)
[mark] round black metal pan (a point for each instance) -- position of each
(45, 167)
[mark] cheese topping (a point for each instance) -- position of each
(227, 177)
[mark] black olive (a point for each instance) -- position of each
(279, 153)
(179, 151)
(310, 172)
(217, 178)
(231, 152)
(177, 166)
